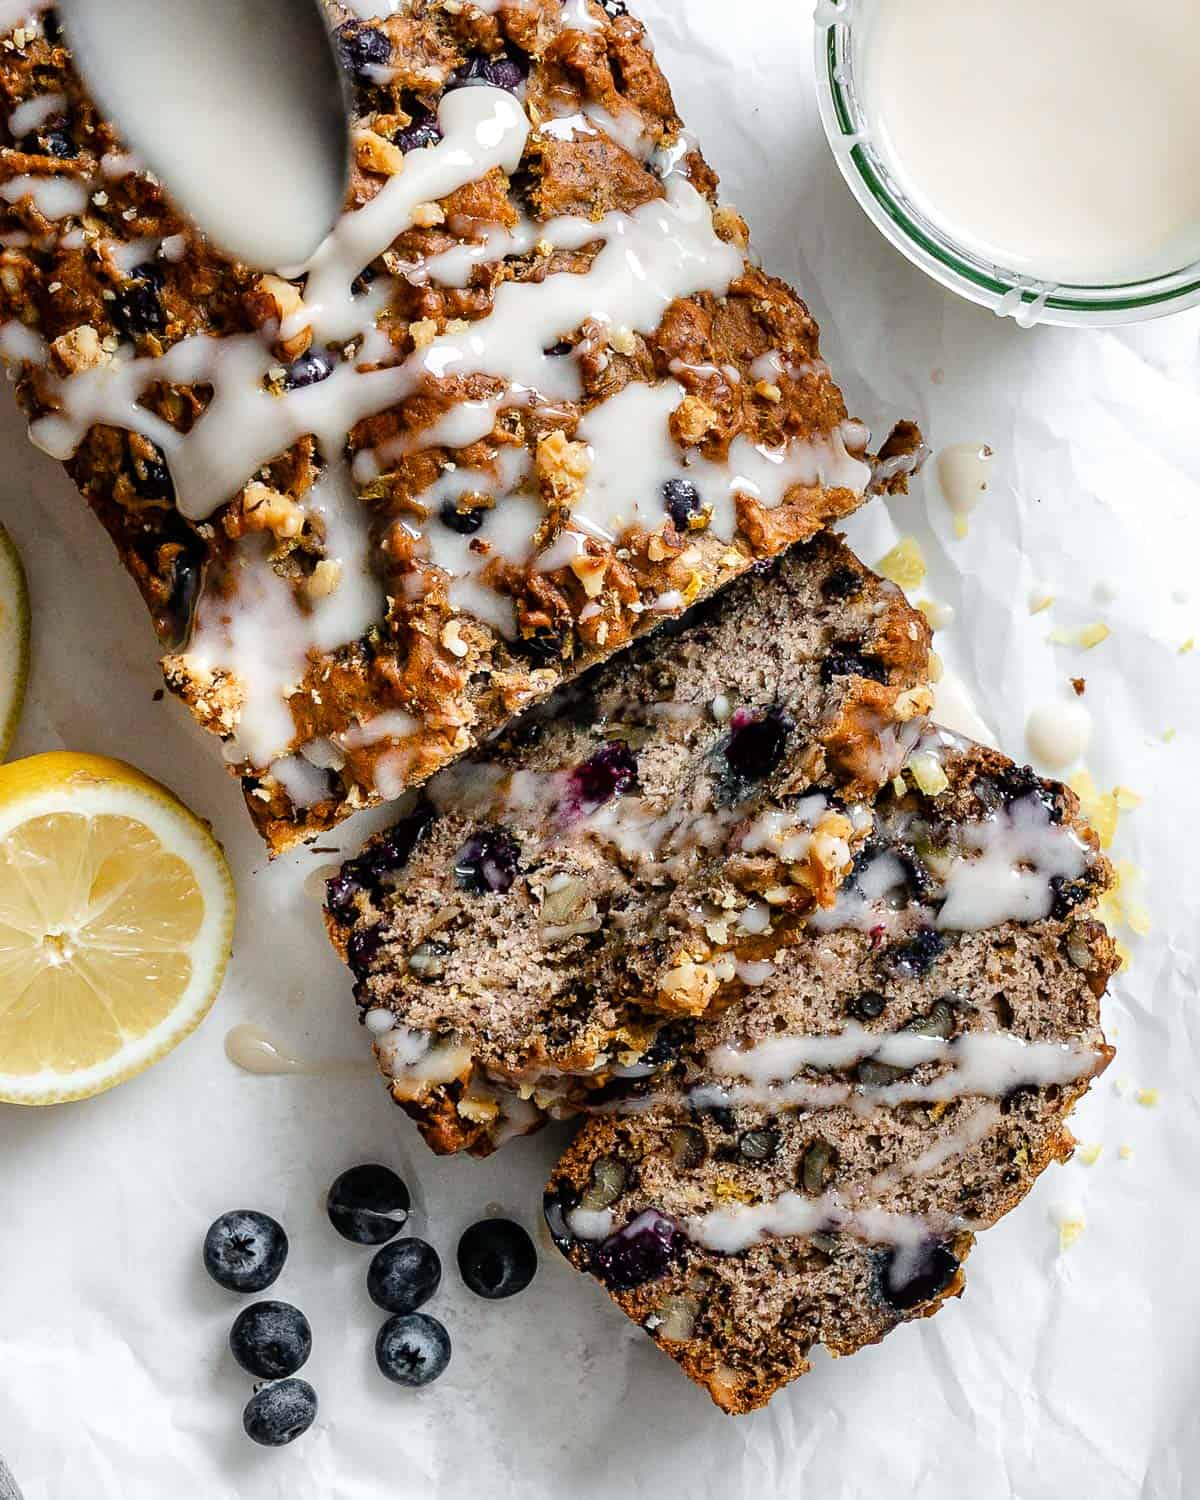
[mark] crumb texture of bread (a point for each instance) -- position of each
(531, 400)
(812, 1165)
(627, 855)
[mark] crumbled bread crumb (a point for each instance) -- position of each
(451, 638)
(1188, 646)
(937, 667)
(904, 564)
(1080, 686)
(80, 349)
(1092, 635)
(1168, 735)
(1039, 600)
(912, 703)
(562, 468)
(1148, 1098)
(926, 770)
(624, 341)
(1071, 1223)
(962, 528)
(428, 215)
(324, 579)
(374, 153)
(730, 225)
(1125, 1152)
(1089, 1155)
(267, 509)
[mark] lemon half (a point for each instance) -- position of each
(116, 921)
(14, 640)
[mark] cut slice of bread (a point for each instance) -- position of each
(810, 1166)
(614, 860)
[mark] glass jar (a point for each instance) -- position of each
(1008, 293)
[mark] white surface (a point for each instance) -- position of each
(1054, 1376)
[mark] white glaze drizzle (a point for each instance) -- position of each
(729, 1231)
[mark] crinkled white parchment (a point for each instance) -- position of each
(1057, 1375)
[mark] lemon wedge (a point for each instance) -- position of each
(14, 640)
(116, 920)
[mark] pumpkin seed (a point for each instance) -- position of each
(606, 1185)
(817, 1167)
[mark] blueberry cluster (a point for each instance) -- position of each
(245, 1251)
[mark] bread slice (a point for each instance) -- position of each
(531, 399)
(811, 1165)
(616, 858)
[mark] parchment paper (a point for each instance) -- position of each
(1071, 1374)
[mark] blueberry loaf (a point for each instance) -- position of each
(529, 399)
(811, 1165)
(627, 853)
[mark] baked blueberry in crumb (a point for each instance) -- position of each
(363, 948)
(404, 1275)
(244, 1251)
(541, 646)
(555, 1208)
(368, 1205)
(412, 1349)
(383, 857)
(309, 369)
(362, 48)
(270, 1340)
(280, 1413)
(910, 1275)
(137, 308)
(640, 1252)
(869, 1005)
(915, 958)
(757, 742)
(488, 862)
(610, 773)
(496, 1259)
(683, 503)
(423, 130)
(502, 70)
(150, 476)
(464, 522)
(841, 583)
(849, 661)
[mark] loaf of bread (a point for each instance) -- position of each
(811, 1165)
(618, 857)
(530, 399)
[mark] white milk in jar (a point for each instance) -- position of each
(1058, 139)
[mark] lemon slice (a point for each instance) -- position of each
(14, 640)
(116, 918)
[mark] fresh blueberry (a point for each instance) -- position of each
(278, 1414)
(757, 742)
(270, 1339)
(683, 502)
(488, 862)
(848, 661)
(465, 522)
(368, 1205)
(362, 48)
(496, 1259)
(640, 1252)
(423, 130)
(503, 70)
(137, 308)
(384, 855)
(309, 369)
(610, 773)
(412, 1349)
(404, 1275)
(52, 28)
(244, 1251)
(909, 1276)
